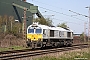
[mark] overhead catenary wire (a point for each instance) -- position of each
(61, 8)
(64, 20)
(67, 21)
(50, 5)
(61, 13)
(56, 11)
(78, 13)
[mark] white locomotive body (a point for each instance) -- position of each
(42, 36)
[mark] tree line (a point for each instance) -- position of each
(9, 26)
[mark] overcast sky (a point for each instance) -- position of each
(60, 10)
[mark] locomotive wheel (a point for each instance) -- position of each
(53, 44)
(33, 46)
(70, 44)
(42, 46)
(56, 44)
(28, 44)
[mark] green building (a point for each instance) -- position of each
(16, 8)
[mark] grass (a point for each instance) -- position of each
(47, 58)
(12, 48)
(86, 56)
(4, 49)
(79, 55)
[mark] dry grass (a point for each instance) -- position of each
(67, 55)
(11, 40)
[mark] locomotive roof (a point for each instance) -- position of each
(47, 27)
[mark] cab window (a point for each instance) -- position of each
(30, 30)
(38, 31)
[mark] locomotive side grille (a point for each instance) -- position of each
(56, 33)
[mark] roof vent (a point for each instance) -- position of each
(36, 23)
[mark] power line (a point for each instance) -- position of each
(49, 5)
(78, 13)
(56, 11)
(66, 21)
(60, 13)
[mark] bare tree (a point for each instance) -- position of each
(42, 21)
(63, 25)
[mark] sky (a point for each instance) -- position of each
(58, 12)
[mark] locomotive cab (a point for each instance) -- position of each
(34, 36)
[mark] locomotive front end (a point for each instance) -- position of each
(34, 36)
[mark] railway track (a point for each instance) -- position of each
(28, 52)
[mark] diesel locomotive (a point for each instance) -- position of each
(39, 36)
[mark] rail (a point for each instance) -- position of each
(27, 53)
